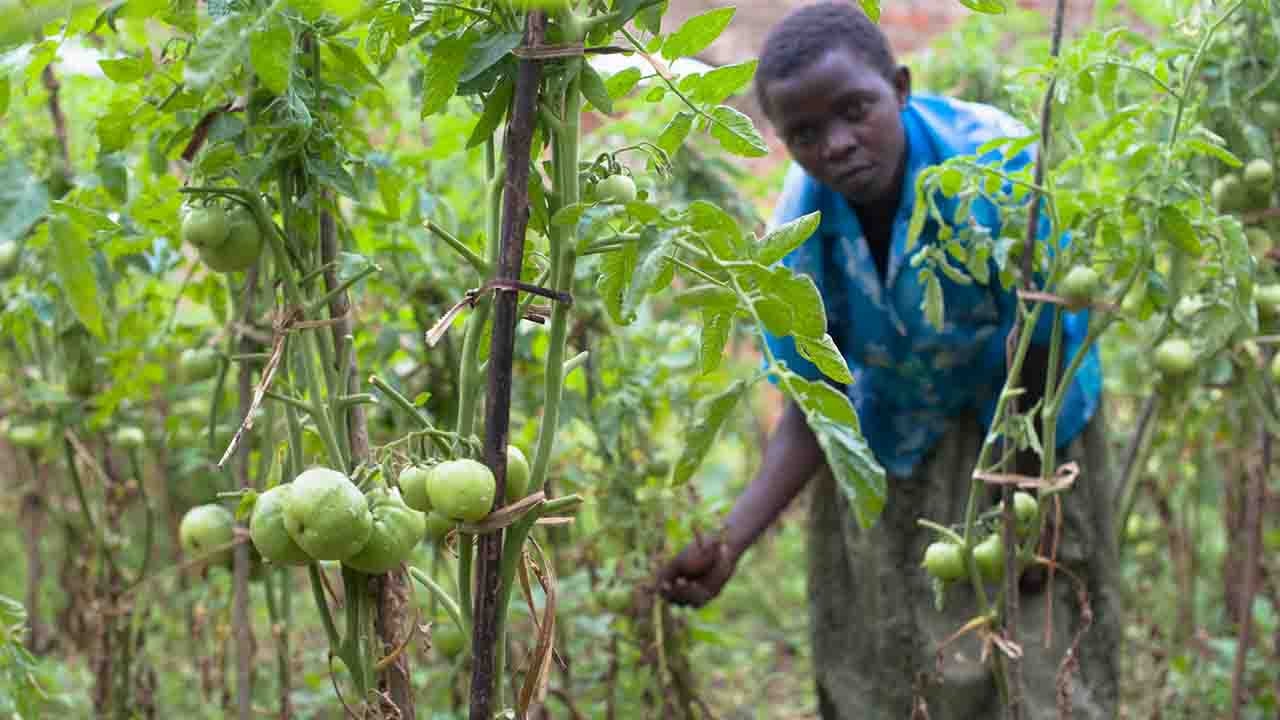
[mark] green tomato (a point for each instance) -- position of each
(1268, 114)
(1174, 356)
(618, 189)
(1267, 298)
(517, 474)
(397, 530)
(196, 364)
(413, 486)
(206, 531)
(129, 437)
(1259, 173)
(242, 246)
(8, 257)
(327, 515)
(1259, 240)
(1027, 510)
(1079, 287)
(989, 555)
(616, 600)
(461, 489)
(438, 526)
(268, 532)
(29, 435)
(205, 226)
(944, 560)
(1229, 194)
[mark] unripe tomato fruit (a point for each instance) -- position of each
(268, 532)
(944, 560)
(517, 474)
(989, 555)
(1228, 193)
(1259, 240)
(1267, 298)
(1027, 510)
(1174, 356)
(241, 247)
(461, 489)
(413, 487)
(1079, 287)
(327, 515)
(196, 364)
(437, 526)
(448, 638)
(1259, 173)
(1269, 114)
(129, 437)
(29, 435)
(616, 189)
(205, 529)
(205, 226)
(397, 530)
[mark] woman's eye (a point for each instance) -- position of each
(855, 111)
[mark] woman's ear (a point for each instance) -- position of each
(902, 84)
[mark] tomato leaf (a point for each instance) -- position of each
(871, 8)
(129, 69)
(716, 326)
(594, 89)
(495, 109)
(782, 240)
(217, 53)
(716, 86)
(826, 356)
(623, 82)
(652, 246)
(675, 133)
(736, 133)
(442, 73)
(616, 269)
(697, 33)
(72, 261)
(712, 412)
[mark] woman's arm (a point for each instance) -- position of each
(702, 569)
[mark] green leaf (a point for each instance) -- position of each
(652, 247)
(442, 73)
(127, 70)
(932, 305)
(712, 413)
(990, 7)
(489, 51)
(716, 326)
(4, 95)
(708, 297)
(1205, 148)
(623, 82)
(801, 297)
(716, 227)
(697, 33)
(736, 133)
(834, 422)
(350, 62)
(782, 240)
(675, 133)
(594, 89)
(495, 109)
(616, 269)
(23, 201)
(826, 356)
(716, 86)
(871, 8)
(217, 54)
(72, 260)
(776, 316)
(1175, 226)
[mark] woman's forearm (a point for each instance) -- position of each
(790, 459)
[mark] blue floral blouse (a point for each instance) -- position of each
(910, 380)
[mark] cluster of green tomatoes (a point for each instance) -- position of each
(323, 516)
(945, 559)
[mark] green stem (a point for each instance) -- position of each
(322, 604)
(461, 248)
(440, 595)
(466, 551)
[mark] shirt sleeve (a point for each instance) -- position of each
(798, 198)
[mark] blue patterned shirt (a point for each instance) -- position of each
(911, 380)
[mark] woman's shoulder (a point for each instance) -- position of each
(964, 126)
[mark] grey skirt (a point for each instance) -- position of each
(876, 630)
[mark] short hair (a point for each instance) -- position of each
(804, 35)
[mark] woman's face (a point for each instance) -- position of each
(841, 121)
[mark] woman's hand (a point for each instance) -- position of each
(698, 573)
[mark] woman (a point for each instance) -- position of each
(829, 83)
